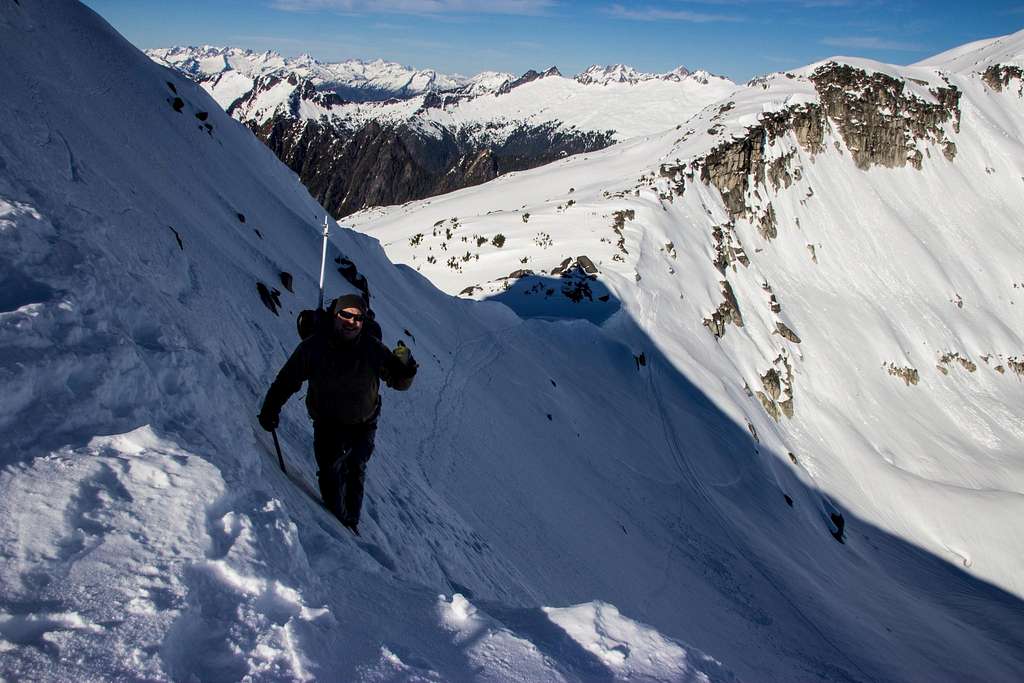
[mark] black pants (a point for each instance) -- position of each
(342, 452)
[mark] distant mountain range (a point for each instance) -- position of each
(374, 133)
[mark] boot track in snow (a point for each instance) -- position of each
(371, 548)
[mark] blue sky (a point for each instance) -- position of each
(735, 38)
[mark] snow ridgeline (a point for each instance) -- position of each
(489, 107)
(541, 505)
(146, 532)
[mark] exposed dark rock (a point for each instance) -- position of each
(789, 501)
(728, 249)
(907, 374)
(241, 217)
(580, 262)
(676, 174)
(777, 382)
(522, 272)
(767, 225)
(786, 333)
(998, 76)
(181, 245)
(731, 165)
(588, 265)
(947, 358)
(878, 119)
(202, 115)
(177, 104)
(840, 525)
(575, 281)
(772, 383)
(287, 281)
(271, 298)
(779, 171)
(171, 86)
(619, 222)
(728, 312)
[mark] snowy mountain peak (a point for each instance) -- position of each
(621, 73)
(352, 79)
(616, 73)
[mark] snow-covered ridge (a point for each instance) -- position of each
(378, 78)
(620, 73)
(208, 62)
(261, 86)
(979, 55)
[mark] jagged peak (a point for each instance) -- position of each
(623, 73)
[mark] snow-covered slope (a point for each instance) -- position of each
(146, 531)
(831, 255)
(977, 56)
(540, 505)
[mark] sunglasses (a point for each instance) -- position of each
(354, 317)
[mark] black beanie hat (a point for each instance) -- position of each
(348, 301)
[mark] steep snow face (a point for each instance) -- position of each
(552, 500)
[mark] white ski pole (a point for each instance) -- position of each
(323, 263)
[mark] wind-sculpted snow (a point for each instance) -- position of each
(552, 500)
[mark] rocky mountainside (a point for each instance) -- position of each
(366, 134)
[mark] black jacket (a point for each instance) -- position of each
(344, 377)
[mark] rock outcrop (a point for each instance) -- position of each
(728, 312)
(879, 120)
(999, 76)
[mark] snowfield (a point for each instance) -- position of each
(570, 491)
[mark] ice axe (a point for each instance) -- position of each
(276, 446)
